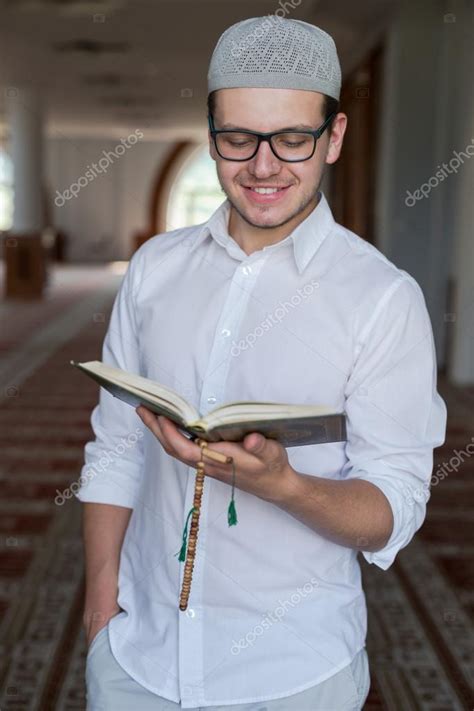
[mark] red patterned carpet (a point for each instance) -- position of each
(420, 642)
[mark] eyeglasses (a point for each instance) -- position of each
(289, 146)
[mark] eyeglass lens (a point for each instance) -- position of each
(287, 146)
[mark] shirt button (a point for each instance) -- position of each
(211, 399)
(225, 332)
(247, 270)
(190, 612)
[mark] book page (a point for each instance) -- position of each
(236, 412)
(140, 386)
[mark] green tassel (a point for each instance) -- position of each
(182, 551)
(231, 511)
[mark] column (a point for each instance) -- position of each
(25, 255)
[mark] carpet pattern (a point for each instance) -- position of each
(420, 642)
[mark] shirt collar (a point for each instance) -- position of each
(307, 237)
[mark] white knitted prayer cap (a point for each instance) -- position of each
(275, 52)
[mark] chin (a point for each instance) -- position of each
(265, 219)
(268, 216)
(264, 216)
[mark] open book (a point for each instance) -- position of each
(292, 425)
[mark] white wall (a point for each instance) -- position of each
(101, 220)
(424, 81)
(461, 108)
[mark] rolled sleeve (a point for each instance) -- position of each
(113, 461)
(395, 416)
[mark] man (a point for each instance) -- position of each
(268, 300)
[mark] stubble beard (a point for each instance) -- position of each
(306, 199)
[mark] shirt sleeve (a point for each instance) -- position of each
(395, 416)
(113, 460)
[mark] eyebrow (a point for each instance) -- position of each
(297, 127)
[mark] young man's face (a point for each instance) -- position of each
(265, 110)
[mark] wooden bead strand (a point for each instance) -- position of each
(195, 513)
(193, 531)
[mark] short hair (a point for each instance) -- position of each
(330, 105)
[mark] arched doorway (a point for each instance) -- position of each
(195, 193)
(185, 191)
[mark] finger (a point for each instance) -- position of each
(150, 420)
(268, 451)
(253, 446)
(185, 449)
(219, 470)
(254, 443)
(154, 423)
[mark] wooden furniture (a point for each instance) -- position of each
(25, 266)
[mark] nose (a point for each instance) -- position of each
(264, 162)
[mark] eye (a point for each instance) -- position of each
(293, 140)
(237, 140)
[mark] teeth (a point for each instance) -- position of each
(265, 191)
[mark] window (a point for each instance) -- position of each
(6, 191)
(196, 192)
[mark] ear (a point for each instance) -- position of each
(336, 138)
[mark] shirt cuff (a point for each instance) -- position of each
(408, 508)
(107, 487)
(103, 495)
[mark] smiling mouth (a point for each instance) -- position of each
(266, 190)
(265, 194)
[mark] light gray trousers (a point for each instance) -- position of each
(110, 688)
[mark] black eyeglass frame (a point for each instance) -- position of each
(317, 133)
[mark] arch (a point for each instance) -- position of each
(168, 173)
(160, 191)
(195, 193)
(163, 184)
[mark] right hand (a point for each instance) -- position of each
(100, 606)
(94, 621)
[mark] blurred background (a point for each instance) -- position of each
(103, 144)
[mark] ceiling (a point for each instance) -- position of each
(106, 68)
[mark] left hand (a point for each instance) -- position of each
(261, 465)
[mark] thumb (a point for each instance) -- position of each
(254, 443)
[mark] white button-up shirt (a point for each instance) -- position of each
(321, 317)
